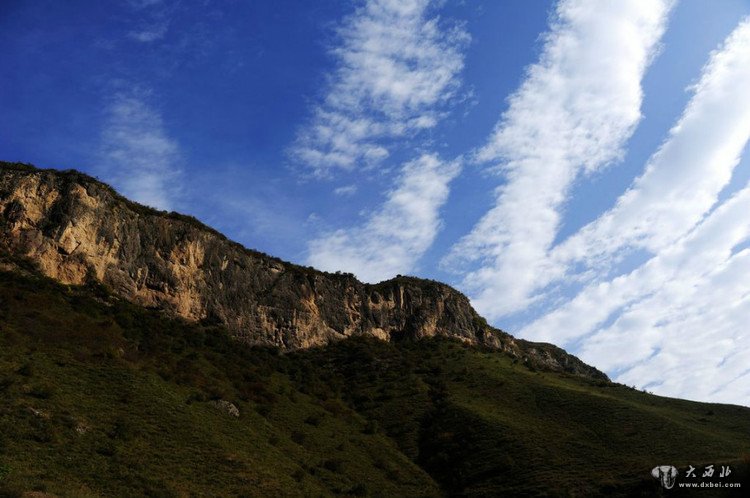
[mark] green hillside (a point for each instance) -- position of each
(103, 398)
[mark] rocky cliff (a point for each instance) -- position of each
(75, 229)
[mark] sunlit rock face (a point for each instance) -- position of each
(77, 229)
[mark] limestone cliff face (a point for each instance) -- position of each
(75, 228)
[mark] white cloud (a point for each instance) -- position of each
(395, 237)
(396, 66)
(149, 33)
(141, 4)
(708, 245)
(682, 181)
(136, 154)
(676, 319)
(572, 114)
(697, 334)
(152, 22)
(675, 324)
(345, 190)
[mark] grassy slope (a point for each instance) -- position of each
(492, 425)
(136, 385)
(102, 398)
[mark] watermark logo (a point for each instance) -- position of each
(712, 476)
(666, 475)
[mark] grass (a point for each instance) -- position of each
(111, 400)
(103, 398)
(483, 425)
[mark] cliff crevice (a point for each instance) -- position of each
(75, 228)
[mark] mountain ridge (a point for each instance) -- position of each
(75, 229)
(103, 396)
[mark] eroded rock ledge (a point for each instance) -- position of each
(76, 228)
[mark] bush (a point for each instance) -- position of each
(41, 391)
(10, 493)
(25, 370)
(333, 465)
(371, 427)
(263, 410)
(106, 449)
(313, 420)
(122, 430)
(298, 437)
(43, 435)
(4, 471)
(358, 490)
(5, 383)
(334, 407)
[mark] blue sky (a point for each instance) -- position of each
(575, 167)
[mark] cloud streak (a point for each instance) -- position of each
(396, 67)
(683, 179)
(677, 317)
(136, 154)
(572, 115)
(681, 182)
(676, 323)
(152, 22)
(149, 33)
(392, 239)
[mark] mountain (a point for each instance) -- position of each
(109, 387)
(75, 228)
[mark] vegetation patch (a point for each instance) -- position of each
(103, 398)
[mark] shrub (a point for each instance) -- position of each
(4, 471)
(334, 465)
(43, 434)
(122, 430)
(371, 427)
(358, 490)
(5, 383)
(10, 493)
(263, 410)
(106, 449)
(25, 370)
(298, 437)
(313, 420)
(41, 391)
(334, 407)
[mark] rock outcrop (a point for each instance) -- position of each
(77, 229)
(227, 407)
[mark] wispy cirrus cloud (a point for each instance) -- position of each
(684, 178)
(149, 32)
(392, 239)
(675, 324)
(153, 20)
(680, 183)
(572, 114)
(345, 190)
(136, 154)
(140, 4)
(396, 67)
(670, 323)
